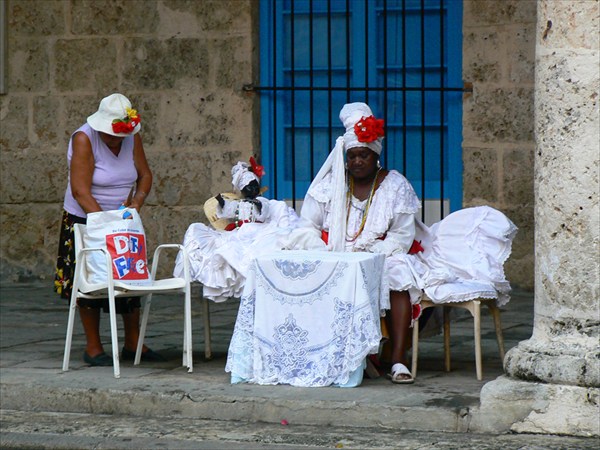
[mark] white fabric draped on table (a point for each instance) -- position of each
(308, 318)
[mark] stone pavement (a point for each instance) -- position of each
(35, 392)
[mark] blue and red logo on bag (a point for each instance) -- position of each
(128, 254)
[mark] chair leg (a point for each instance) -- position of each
(477, 333)
(207, 344)
(140, 344)
(447, 338)
(415, 349)
(113, 331)
(70, 324)
(187, 330)
(498, 326)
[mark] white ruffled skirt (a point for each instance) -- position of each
(220, 259)
(463, 259)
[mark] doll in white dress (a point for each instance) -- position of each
(245, 226)
(250, 207)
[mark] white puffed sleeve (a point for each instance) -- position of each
(263, 215)
(228, 211)
(399, 237)
(307, 236)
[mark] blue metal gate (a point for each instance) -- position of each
(402, 57)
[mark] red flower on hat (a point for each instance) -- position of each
(128, 123)
(368, 129)
(258, 170)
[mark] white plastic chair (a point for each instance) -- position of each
(112, 289)
(474, 307)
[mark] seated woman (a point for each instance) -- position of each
(219, 259)
(364, 207)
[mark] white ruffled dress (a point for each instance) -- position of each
(220, 259)
(463, 254)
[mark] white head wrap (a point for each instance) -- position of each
(241, 175)
(350, 114)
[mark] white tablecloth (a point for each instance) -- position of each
(308, 318)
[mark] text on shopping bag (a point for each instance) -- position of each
(128, 254)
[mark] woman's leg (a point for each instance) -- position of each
(90, 319)
(399, 325)
(131, 324)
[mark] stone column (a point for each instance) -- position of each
(564, 347)
(553, 377)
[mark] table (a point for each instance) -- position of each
(308, 318)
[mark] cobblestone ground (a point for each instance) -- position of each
(41, 430)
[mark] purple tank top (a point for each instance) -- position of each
(113, 175)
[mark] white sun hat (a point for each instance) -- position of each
(115, 117)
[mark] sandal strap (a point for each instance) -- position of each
(400, 368)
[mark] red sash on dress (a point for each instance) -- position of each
(237, 224)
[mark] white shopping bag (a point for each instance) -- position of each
(125, 241)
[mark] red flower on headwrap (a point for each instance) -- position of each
(258, 170)
(368, 129)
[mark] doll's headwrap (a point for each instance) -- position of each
(362, 128)
(243, 173)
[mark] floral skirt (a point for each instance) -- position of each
(65, 270)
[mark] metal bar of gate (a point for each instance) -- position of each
(275, 115)
(293, 109)
(311, 92)
(347, 51)
(329, 99)
(385, 73)
(366, 15)
(423, 196)
(250, 88)
(442, 107)
(404, 121)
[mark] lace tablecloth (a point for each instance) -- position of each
(308, 318)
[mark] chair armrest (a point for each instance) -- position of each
(81, 258)
(181, 248)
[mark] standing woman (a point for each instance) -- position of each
(107, 164)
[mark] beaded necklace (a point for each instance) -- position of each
(349, 196)
(238, 221)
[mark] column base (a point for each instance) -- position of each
(509, 405)
(576, 364)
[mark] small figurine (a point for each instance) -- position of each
(251, 207)
(243, 225)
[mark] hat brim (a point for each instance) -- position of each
(101, 123)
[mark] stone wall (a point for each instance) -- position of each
(182, 63)
(498, 138)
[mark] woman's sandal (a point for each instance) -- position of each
(102, 360)
(400, 374)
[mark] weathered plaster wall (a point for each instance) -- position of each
(181, 62)
(498, 122)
